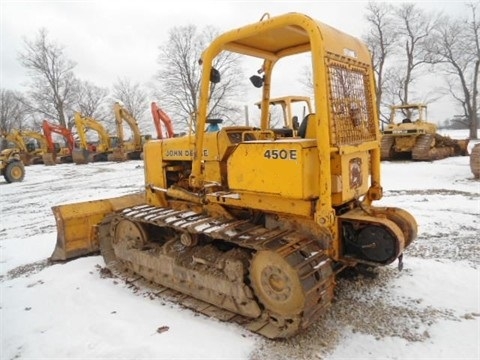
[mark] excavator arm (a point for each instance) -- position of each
(160, 116)
(49, 129)
(88, 123)
(81, 131)
(83, 154)
(121, 114)
(126, 150)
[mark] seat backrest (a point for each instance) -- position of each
(307, 127)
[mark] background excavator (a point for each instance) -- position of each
(86, 152)
(56, 153)
(29, 153)
(127, 150)
(159, 116)
(409, 136)
(246, 226)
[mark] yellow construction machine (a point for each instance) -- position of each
(160, 116)
(127, 150)
(57, 154)
(29, 153)
(11, 166)
(409, 136)
(242, 224)
(86, 152)
(290, 106)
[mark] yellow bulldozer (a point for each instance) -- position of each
(247, 226)
(409, 136)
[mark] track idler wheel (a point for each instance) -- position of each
(124, 235)
(276, 284)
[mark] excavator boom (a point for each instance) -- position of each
(159, 117)
(85, 152)
(126, 150)
(55, 154)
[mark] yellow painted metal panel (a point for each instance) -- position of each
(153, 163)
(286, 168)
(76, 224)
(265, 202)
(180, 148)
(350, 176)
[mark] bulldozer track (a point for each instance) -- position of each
(421, 150)
(289, 284)
(430, 147)
(386, 147)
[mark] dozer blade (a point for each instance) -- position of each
(76, 224)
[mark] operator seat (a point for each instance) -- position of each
(307, 127)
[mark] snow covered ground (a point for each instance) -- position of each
(430, 310)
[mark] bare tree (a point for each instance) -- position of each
(13, 111)
(179, 76)
(134, 98)
(457, 48)
(381, 40)
(306, 79)
(132, 95)
(416, 30)
(91, 100)
(52, 77)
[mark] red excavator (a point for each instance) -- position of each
(57, 154)
(160, 116)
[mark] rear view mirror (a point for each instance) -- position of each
(257, 81)
(214, 76)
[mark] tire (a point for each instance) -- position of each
(14, 172)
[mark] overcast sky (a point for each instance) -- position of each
(111, 39)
